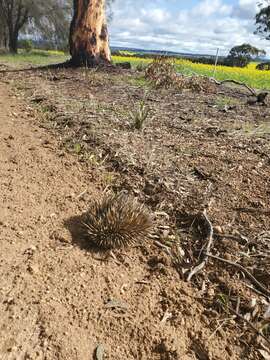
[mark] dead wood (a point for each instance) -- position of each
(255, 282)
(210, 231)
(249, 324)
(236, 83)
(253, 210)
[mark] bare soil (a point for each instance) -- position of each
(66, 138)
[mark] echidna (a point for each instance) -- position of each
(116, 221)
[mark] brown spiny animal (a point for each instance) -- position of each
(116, 221)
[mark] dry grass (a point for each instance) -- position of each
(162, 74)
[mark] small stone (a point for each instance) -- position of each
(252, 303)
(10, 301)
(30, 250)
(228, 257)
(218, 229)
(99, 352)
(165, 234)
(33, 269)
(211, 292)
(42, 219)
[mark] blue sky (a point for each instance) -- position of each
(197, 26)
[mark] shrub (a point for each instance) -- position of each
(141, 67)
(263, 66)
(162, 74)
(26, 45)
(238, 61)
(140, 115)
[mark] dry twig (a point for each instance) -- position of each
(249, 324)
(241, 239)
(253, 210)
(200, 266)
(164, 247)
(236, 83)
(265, 291)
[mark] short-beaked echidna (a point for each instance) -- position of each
(116, 221)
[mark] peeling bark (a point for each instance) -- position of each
(89, 40)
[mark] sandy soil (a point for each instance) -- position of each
(59, 300)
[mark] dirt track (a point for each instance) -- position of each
(38, 188)
(54, 291)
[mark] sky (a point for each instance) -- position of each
(194, 26)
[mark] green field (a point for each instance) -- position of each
(33, 58)
(249, 75)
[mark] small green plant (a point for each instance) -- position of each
(108, 179)
(138, 81)
(92, 159)
(222, 301)
(141, 67)
(140, 115)
(77, 148)
(26, 45)
(222, 102)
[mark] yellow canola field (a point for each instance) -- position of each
(250, 75)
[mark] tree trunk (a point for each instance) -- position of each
(13, 42)
(2, 40)
(89, 40)
(3, 35)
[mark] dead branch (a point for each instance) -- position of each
(236, 83)
(250, 287)
(210, 235)
(164, 247)
(255, 282)
(249, 324)
(241, 239)
(253, 210)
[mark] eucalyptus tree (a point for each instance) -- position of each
(14, 14)
(89, 39)
(88, 35)
(53, 22)
(263, 20)
(48, 17)
(3, 34)
(242, 55)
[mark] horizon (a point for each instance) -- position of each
(197, 27)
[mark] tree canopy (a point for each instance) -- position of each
(263, 21)
(241, 55)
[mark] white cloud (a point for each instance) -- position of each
(246, 9)
(211, 7)
(152, 24)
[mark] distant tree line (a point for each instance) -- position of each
(239, 56)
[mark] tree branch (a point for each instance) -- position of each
(265, 291)
(210, 235)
